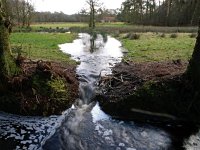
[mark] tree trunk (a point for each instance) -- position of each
(194, 65)
(8, 67)
(92, 14)
(195, 12)
(169, 2)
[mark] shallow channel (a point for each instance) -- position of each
(85, 126)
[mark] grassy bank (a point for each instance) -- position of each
(153, 47)
(45, 88)
(42, 45)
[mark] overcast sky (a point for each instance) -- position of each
(71, 6)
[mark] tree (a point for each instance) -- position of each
(20, 11)
(8, 67)
(194, 65)
(92, 5)
(164, 12)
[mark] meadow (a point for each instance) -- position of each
(154, 43)
(42, 45)
(155, 47)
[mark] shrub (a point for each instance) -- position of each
(174, 35)
(134, 36)
(163, 35)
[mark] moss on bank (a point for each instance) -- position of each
(45, 88)
(40, 88)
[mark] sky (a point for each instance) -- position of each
(71, 6)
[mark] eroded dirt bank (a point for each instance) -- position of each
(43, 88)
(158, 91)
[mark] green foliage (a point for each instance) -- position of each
(55, 89)
(58, 88)
(151, 47)
(165, 13)
(43, 45)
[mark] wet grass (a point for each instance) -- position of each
(43, 45)
(154, 47)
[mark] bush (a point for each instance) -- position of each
(173, 35)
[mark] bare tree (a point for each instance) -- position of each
(93, 4)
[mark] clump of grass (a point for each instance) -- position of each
(193, 35)
(126, 36)
(163, 35)
(131, 36)
(116, 34)
(134, 36)
(174, 35)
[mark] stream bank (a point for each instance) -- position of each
(85, 125)
(42, 88)
(149, 91)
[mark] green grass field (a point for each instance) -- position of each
(152, 47)
(43, 45)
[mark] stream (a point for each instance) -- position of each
(85, 126)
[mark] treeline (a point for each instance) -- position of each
(19, 11)
(58, 17)
(162, 12)
(82, 16)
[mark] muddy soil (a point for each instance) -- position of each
(128, 76)
(43, 88)
(149, 90)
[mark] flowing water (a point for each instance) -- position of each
(85, 126)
